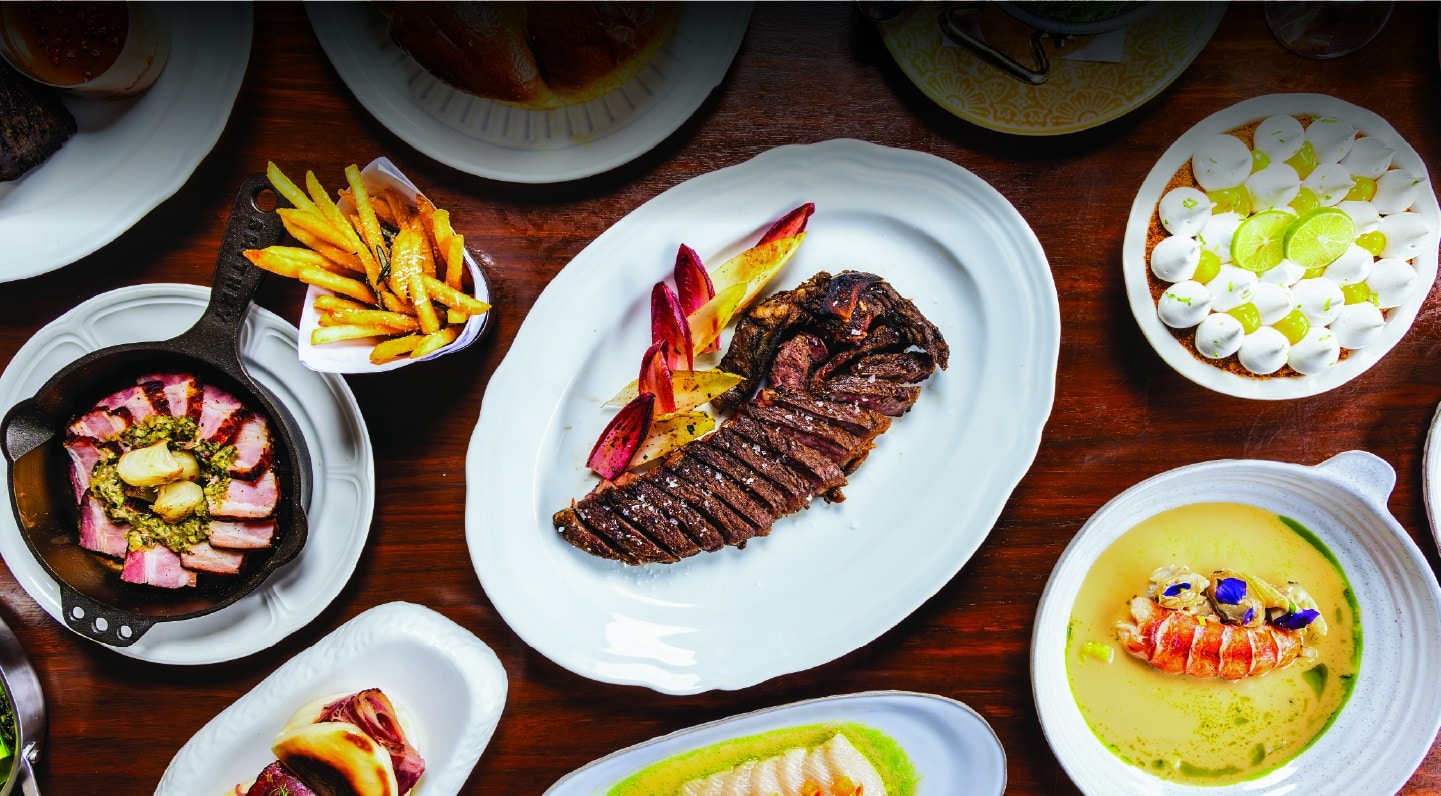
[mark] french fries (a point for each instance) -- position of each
(394, 264)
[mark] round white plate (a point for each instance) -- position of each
(446, 684)
(952, 747)
(1430, 473)
(129, 155)
(1342, 501)
(342, 494)
(828, 579)
(499, 141)
(1137, 270)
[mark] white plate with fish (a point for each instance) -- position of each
(942, 237)
(504, 142)
(129, 155)
(917, 743)
(1393, 597)
(446, 685)
(341, 500)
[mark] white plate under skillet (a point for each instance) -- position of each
(1397, 695)
(446, 684)
(1137, 270)
(828, 579)
(342, 494)
(129, 155)
(502, 142)
(952, 747)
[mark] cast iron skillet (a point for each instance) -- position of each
(94, 601)
(1045, 27)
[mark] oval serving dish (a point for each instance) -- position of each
(1342, 501)
(950, 745)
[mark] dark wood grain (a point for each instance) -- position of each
(805, 73)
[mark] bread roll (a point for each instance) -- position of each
(535, 55)
(336, 759)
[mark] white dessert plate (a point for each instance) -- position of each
(129, 155)
(935, 482)
(502, 142)
(342, 493)
(446, 684)
(1343, 502)
(951, 746)
(1137, 270)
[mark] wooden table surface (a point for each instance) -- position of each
(805, 73)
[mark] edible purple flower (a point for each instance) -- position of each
(1250, 614)
(1296, 620)
(1230, 591)
(1175, 589)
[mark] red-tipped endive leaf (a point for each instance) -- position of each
(655, 378)
(756, 266)
(791, 224)
(668, 325)
(669, 432)
(692, 388)
(693, 286)
(707, 322)
(622, 437)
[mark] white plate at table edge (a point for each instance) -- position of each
(1137, 271)
(190, 104)
(375, 73)
(504, 515)
(425, 648)
(1431, 476)
(329, 503)
(1360, 483)
(987, 758)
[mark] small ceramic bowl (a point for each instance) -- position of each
(141, 59)
(1343, 502)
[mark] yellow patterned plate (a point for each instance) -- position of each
(1078, 95)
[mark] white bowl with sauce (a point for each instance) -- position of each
(1342, 502)
(127, 45)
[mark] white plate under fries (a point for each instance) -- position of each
(828, 579)
(502, 142)
(1397, 694)
(1137, 270)
(446, 684)
(128, 155)
(951, 746)
(342, 493)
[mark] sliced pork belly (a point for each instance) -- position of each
(98, 424)
(220, 414)
(83, 456)
(157, 566)
(100, 533)
(204, 558)
(134, 400)
(181, 390)
(241, 535)
(252, 449)
(246, 500)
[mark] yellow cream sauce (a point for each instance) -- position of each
(1210, 731)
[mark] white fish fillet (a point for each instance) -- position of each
(787, 774)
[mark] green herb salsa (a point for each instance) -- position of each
(667, 776)
(125, 504)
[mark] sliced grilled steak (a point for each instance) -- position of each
(733, 528)
(838, 445)
(825, 476)
(765, 492)
(635, 508)
(906, 366)
(795, 487)
(691, 522)
(860, 421)
(883, 339)
(34, 123)
(795, 359)
(878, 395)
(732, 494)
(574, 531)
(630, 543)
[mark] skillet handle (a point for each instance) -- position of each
(26, 427)
(217, 333)
(952, 16)
(101, 623)
(25, 777)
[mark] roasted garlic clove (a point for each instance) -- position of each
(150, 466)
(174, 502)
(189, 468)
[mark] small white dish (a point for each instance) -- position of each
(353, 356)
(129, 155)
(1343, 502)
(943, 238)
(1137, 271)
(1431, 477)
(502, 142)
(342, 484)
(951, 746)
(447, 685)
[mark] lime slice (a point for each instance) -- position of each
(1316, 239)
(1259, 243)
